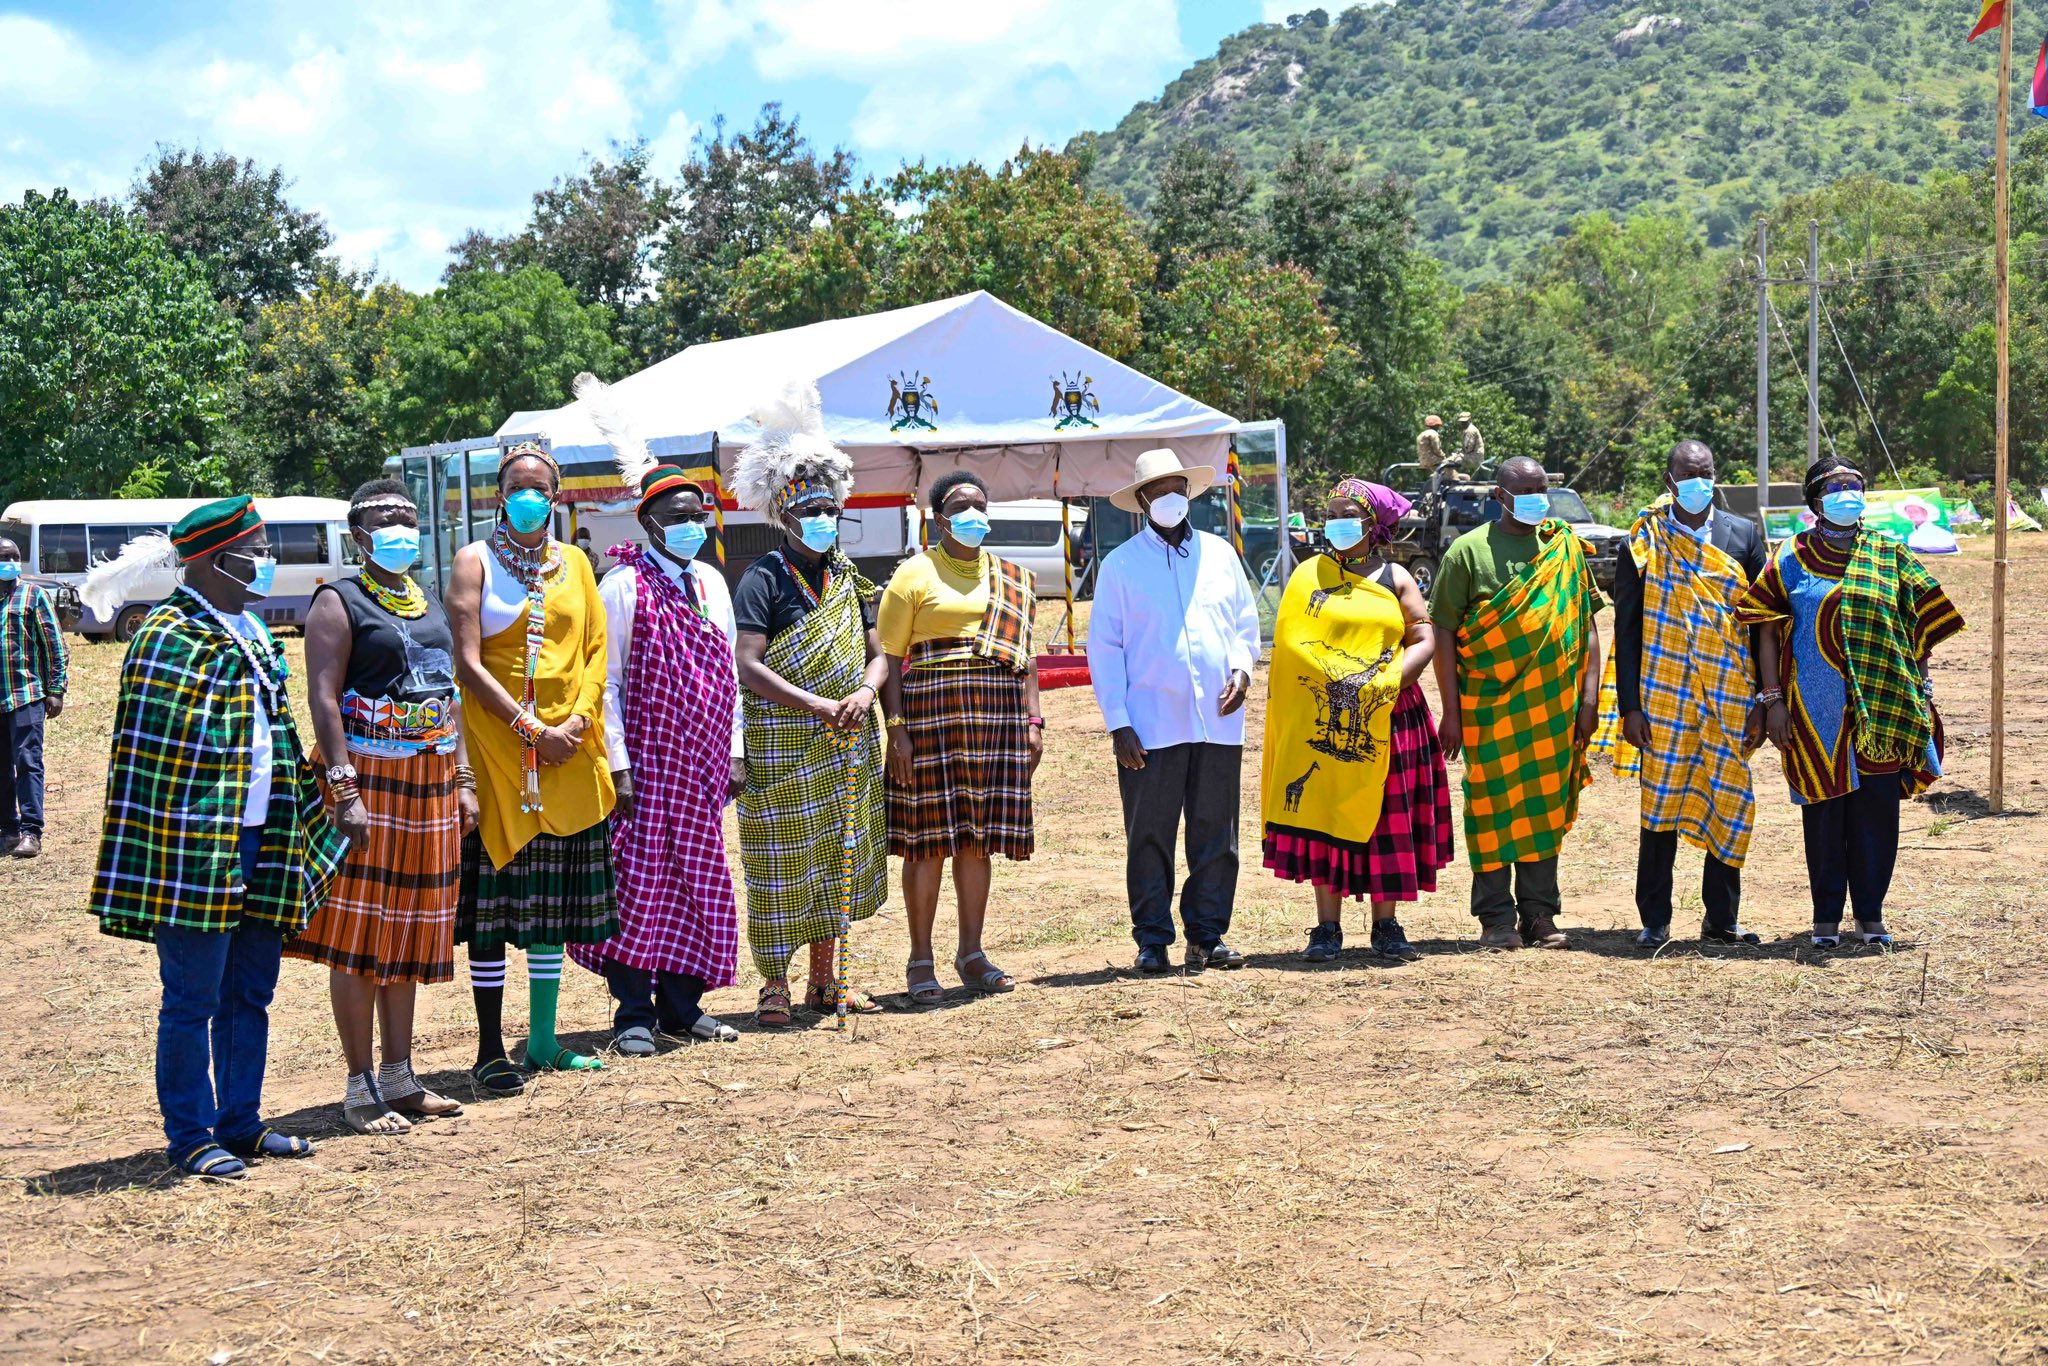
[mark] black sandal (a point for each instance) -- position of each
(499, 1077)
(268, 1142)
(211, 1162)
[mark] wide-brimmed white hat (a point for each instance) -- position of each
(1162, 464)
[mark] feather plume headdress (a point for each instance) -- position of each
(791, 456)
(108, 585)
(629, 451)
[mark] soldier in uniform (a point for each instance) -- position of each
(1429, 446)
(1471, 446)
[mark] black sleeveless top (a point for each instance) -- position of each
(406, 661)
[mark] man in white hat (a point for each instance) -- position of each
(1170, 647)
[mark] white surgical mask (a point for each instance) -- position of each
(1169, 510)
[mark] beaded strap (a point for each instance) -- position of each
(533, 568)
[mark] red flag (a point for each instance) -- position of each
(2038, 101)
(1992, 17)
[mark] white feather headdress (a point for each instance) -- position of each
(629, 451)
(108, 584)
(792, 447)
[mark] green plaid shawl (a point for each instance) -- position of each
(184, 728)
(32, 656)
(792, 810)
(1881, 595)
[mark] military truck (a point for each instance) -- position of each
(1462, 502)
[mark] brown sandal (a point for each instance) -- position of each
(772, 1010)
(823, 997)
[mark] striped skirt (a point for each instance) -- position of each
(391, 915)
(557, 890)
(970, 781)
(1413, 838)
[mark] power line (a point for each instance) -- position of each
(1607, 442)
(1799, 370)
(1875, 427)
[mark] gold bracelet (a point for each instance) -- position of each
(894, 722)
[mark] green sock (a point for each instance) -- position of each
(544, 1053)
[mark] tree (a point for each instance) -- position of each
(321, 384)
(761, 189)
(1239, 335)
(844, 268)
(489, 344)
(112, 350)
(232, 217)
(1200, 207)
(1034, 236)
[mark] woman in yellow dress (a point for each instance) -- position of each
(530, 655)
(1355, 798)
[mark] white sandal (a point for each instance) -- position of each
(637, 1042)
(709, 1030)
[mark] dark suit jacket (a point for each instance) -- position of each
(1743, 542)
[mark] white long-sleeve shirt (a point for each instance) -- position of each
(1167, 632)
(618, 593)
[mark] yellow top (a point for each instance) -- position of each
(932, 597)
(568, 681)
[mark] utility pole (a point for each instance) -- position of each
(1812, 341)
(1763, 368)
(2000, 494)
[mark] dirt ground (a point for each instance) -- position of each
(1583, 1156)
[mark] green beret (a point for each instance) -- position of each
(206, 529)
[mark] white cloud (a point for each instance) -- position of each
(404, 124)
(946, 81)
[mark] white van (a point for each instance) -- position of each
(61, 538)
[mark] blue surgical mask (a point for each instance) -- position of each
(683, 539)
(395, 549)
(10, 570)
(969, 527)
(820, 532)
(1843, 507)
(1695, 495)
(1344, 532)
(527, 510)
(262, 574)
(1530, 509)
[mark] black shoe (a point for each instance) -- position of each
(1710, 934)
(1217, 955)
(1390, 941)
(1654, 937)
(1152, 959)
(1325, 942)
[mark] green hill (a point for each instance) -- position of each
(1512, 117)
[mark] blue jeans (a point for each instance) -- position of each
(213, 1029)
(21, 770)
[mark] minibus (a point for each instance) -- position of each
(61, 538)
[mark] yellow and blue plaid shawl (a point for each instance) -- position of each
(184, 729)
(1697, 690)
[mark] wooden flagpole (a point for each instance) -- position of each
(2000, 497)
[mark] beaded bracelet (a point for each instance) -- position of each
(344, 794)
(465, 777)
(1770, 697)
(527, 727)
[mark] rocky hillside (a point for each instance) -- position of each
(1512, 117)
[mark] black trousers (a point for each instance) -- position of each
(1720, 885)
(1514, 893)
(653, 1000)
(1852, 846)
(1199, 781)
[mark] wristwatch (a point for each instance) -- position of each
(341, 773)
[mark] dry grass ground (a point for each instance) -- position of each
(1587, 1156)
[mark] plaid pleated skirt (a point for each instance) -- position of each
(391, 915)
(1413, 839)
(970, 781)
(557, 890)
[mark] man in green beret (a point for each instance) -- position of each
(215, 845)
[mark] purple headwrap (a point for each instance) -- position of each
(1384, 508)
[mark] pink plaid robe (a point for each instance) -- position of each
(676, 908)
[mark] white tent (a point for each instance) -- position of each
(911, 393)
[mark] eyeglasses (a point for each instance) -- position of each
(700, 518)
(815, 509)
(1838, 483)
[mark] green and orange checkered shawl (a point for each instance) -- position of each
(184, 729)
(1521, 669)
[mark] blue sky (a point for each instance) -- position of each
(407, 122)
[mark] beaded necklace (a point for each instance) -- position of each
(408, 602)
(802, 584)
(970, 568)
(533, 568)
(266, 662)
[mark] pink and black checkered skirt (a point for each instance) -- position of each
(970, 779)
(1413, 839)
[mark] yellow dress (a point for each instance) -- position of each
(568, 681)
